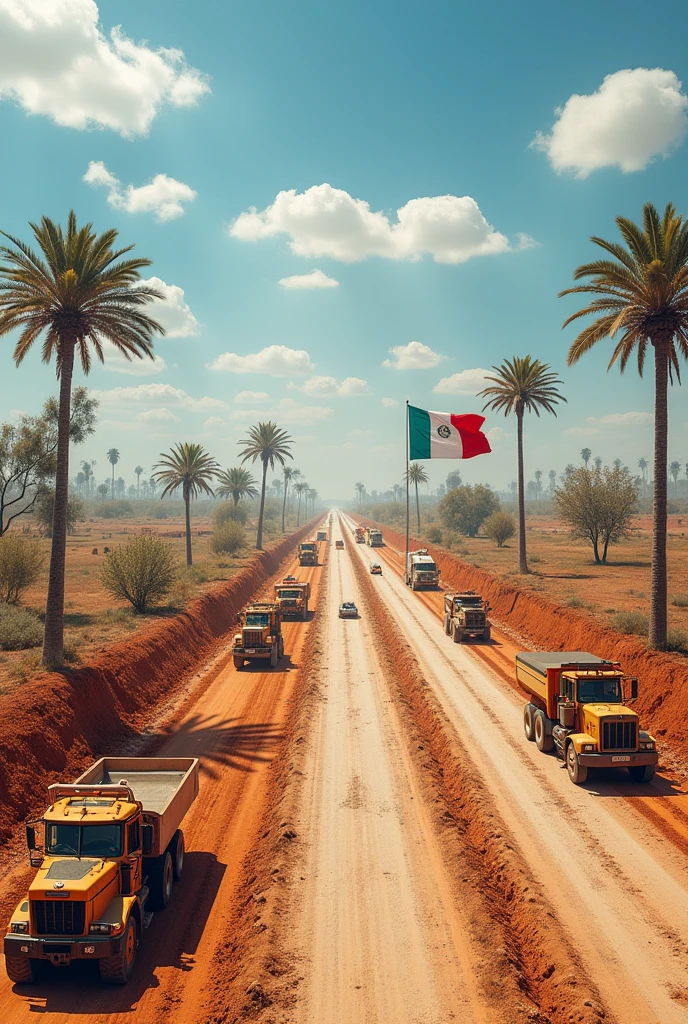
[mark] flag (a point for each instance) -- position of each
(444, 435)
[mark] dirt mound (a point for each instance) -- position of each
(54, 724)
(663, 678)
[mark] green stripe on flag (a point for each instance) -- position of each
(419, 433)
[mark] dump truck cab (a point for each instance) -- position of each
(261, 637)
(373, 538)
(579, 706)
(421, 570)
(321, 536)
(465, 614)
(359, 535)
(308, 553)
(292, 599)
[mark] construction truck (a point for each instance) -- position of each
(465, 615)
(321, 536)
(421, 570)
(373, 538)
(261, 637)
(292, 599)
(359, 535)
(308, 553)
(579, 706)
(110, 854)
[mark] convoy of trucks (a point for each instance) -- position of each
(421, 570)
(261, 637)
(465, 615)
(112, 850)
(291, 597)
(308, 553)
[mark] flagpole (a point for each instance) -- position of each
(407, 493)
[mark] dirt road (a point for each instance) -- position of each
(620, 890)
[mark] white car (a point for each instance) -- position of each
(348, 610)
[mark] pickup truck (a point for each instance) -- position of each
(112, 850)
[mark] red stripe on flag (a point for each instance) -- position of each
(474, 441)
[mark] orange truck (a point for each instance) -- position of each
(579, 705)
(359, 535)
(292, 599)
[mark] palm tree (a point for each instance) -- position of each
(552, 481)
(277, 486)
(360, 488)
(585, 456)
(300, 487)
(597, 460)
(453, 480)
(396, 489)
(113, 459)
(288, 473)
(190, 467)
(641, 294)
(77, 293)
(138, 470)
(642, 466)
(538, 482)
(80, 481)
(674, 470)
(236, 483)
(313, 497)
(270, 444)
(522, 385)
(417, 475)
(102, 490)
(87, 470)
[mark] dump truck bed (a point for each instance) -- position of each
(540, 661)
(165, 786)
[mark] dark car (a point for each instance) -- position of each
(348, 610)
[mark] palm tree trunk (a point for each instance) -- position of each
(284, 502)
(298, 512)
(658, 580)
(259, 537)
(522, 559)
(187, 503)
(417, 508)
(53, 636)
(112, 490)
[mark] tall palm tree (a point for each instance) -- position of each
(598, 462)
(312, 497)
(300, 487)
(190, 467)
(113, 459)
(522, 385)
(538, 482)
(417, 475)
(138, 470)
(642, 466)
(76, 293)
(674, 470)
(271, 445)
(585, 456)
(360, 488)
(287, 472)
(641, 295)
(87, 470)
(236, 483)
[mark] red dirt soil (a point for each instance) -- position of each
(54, 724)
(663, 678)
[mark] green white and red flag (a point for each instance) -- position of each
(445, 435)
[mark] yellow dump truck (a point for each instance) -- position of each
(111, 851)
(308, 553)
(292, 599)
(321, 536)
(261, 637)
(579, 704)
(465, 614)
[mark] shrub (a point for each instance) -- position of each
(576, 602)
(21, 561)
(434, 534)
(43, 512)
(228, 538)
(499, 527)
(230, 513)
(117, 510)
(680, 601)
(630, 622)
(466, 508)
(142, 571)
(19, 628)
(677, 639)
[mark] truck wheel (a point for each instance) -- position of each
(543, 740)
(162, 878)
(487, 634)
(447, 625)
(20, 970)
(274, 655)
(528, 725)
(642, 772)
(118, 969)
(457, 635)
(177, 850)
(578, 773)
(238, 662)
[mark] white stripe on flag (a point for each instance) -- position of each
(445, 439)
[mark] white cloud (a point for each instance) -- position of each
(389, 403)
(466, 382)
(581, 432)
(171, 311)
(249, 397)
(623, 419)
(163, 196)
(316, 279)
(273, 361)
(55, 60)
(327, 221)
(214, 423)
(287, 410)
(159, 415)
(498, 434)
(116, 362)
(325, 387)
(414, 356)
(157, 395)
(635, 115)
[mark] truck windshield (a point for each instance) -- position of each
(606, 691)
(257, 619)
(84, 840)
(426, 567)
(289, 593)
(468, 602)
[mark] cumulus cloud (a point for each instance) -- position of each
(388, 403)
(172, 311)
(55, 60)
(273, 361)
(287, 410)
(466, 382)
(116, 362)
(498, 434)
(156, 395)
(327, 221)
(414, 356)
(214, 423)
(324, 387)
(249, 397)
(635, 115)
(163, 196)
(612, 422)
(316, 279)
(157, 415)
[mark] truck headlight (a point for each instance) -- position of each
(19, 927)
(647, 744)
(589, 748)
(102, 928)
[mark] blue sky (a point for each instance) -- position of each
(392, 105)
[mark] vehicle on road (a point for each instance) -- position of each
(261, 637)
(348, 610)
(579, 704)
(289, 579)
(376, 569)
(465, 614)
(308, 553)
(373, 538)
(339, 545)
(112, 850)
(321, 535)
(359, 535)
(421, 570)
(292, 599)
